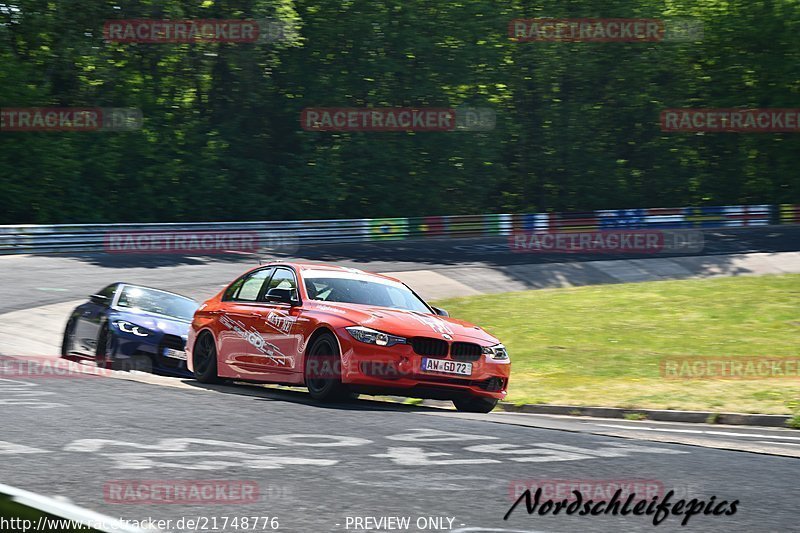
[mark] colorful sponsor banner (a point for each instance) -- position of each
(718, 367)
(789, 214)
(435, 226)
(494, 224)
(428, 226)
(70, 119)
(388, 228)
(763, 120)
(577, 221)
(661, 218)
(467, 226)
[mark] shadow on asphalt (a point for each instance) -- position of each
(263, 393)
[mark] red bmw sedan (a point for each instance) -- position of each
(340, 332)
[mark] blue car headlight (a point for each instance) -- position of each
(371, 336)
(129, 327)
(497, 352)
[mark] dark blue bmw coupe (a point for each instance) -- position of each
(130, 327)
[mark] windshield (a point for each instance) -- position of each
(365, 290)
(142, 300)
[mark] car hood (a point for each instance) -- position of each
(159, 323)
(407, 323)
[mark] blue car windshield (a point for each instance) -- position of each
(143, 300)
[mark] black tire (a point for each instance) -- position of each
(66, 341)
(323, 372)
(475, 404)
(204, 359)
(104, 348)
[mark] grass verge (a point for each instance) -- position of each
(603, 345)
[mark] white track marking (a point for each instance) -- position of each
(213, 460)
(9, 448)
(164, 445)
(419, 457)
(434, 435)
(296, 439)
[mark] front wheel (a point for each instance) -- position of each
(323, 371)
(204, 359)
(475, 404)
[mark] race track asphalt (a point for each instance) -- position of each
(315, 466)
(320, 468)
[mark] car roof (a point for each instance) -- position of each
(333, 268)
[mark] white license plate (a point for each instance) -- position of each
(175, 354)
(446, 367)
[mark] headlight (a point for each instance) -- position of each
(128, 327)
(370, 336)
(497, 352)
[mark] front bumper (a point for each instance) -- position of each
(379, 369)
(127, 346)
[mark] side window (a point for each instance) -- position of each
(283, 279)
(247, 288)
(109, 291)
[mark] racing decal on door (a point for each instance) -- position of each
(280, 322)
(257, 341)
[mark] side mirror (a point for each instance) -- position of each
(439, 311)
(283, 296)
(99, 299)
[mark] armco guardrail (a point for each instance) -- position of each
(93, 237)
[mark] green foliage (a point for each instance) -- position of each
(606, 344)
(577, 123)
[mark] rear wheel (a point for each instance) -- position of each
(323, 371)
(204, 359)
(475, 404)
